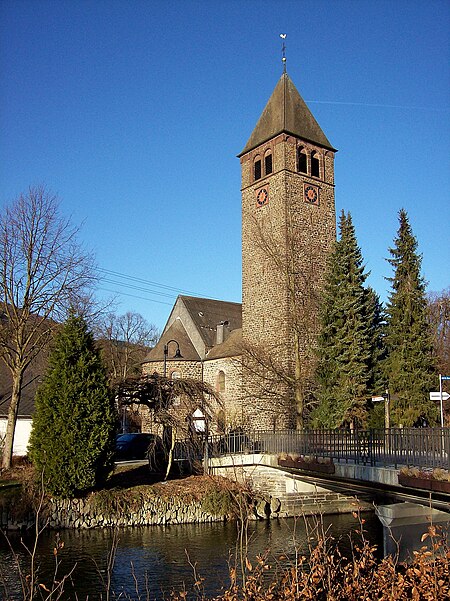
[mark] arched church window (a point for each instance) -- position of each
(302, 160)
(268, 168)
(257, 169)
(315, 164)
(221, 421)
(176, 375)
(199, 421)
(221, 381)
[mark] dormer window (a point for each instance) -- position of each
(315, 164)
(257, 169)
(302, 160)
(268, 168)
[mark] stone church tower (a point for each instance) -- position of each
(288, 229)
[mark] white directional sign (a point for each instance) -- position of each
(377, 399)
(436, 396)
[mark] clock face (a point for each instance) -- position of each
(262, 197)
(311, 194)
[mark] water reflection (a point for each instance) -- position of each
(162, 557)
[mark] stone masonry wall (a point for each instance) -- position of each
(80, 513)
(285, 247)
(83, 513)
(231, 397)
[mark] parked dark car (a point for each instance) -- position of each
(139, 446)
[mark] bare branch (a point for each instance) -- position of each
(125, 341)
(43, 273)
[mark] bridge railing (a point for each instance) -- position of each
(419, 447)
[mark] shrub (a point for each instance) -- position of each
(437, 474)
(72, 438)
(218, 502)
(441, 475)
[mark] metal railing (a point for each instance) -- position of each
(419, 447)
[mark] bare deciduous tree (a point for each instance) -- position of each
(125, 341)
(44, 271)
(439, 311)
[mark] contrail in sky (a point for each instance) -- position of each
(384, 106)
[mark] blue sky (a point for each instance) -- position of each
(134, 112)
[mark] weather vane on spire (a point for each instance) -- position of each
(283, 51)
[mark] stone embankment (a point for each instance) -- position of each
(190, 501)
(265, 492)
(83, 513)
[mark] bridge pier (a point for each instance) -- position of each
(406, 523)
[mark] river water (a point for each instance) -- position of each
(162, 557)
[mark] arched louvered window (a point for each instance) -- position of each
(302, 160)
(268, 167)
(257, 169)
(315, 164)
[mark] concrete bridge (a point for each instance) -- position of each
(331, 471)
(292, 492)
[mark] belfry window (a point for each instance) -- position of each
(302, 160)
(257, 171)
(315, 164)
(268, 163)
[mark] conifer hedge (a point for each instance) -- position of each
(75, 420)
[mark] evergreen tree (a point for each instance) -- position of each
(74, 424)
(409, 366)
(350, 338)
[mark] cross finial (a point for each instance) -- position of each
(283, 51)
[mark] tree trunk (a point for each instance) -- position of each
(170, 457)
(17, 378)
(298, 385)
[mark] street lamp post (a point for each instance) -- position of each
(177, 355)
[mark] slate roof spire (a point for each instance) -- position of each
(286, 112)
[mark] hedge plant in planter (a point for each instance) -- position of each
(437, 480)
(308, 463)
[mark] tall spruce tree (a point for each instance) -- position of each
(74, 425)
(349, 342)
(409, 366)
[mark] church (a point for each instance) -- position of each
(258, 356)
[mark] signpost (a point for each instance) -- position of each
(443, 396)
(436, 396)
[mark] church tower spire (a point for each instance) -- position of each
(288, 230)
(286, 112)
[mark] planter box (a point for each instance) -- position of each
(424, 483)
(309, 466)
